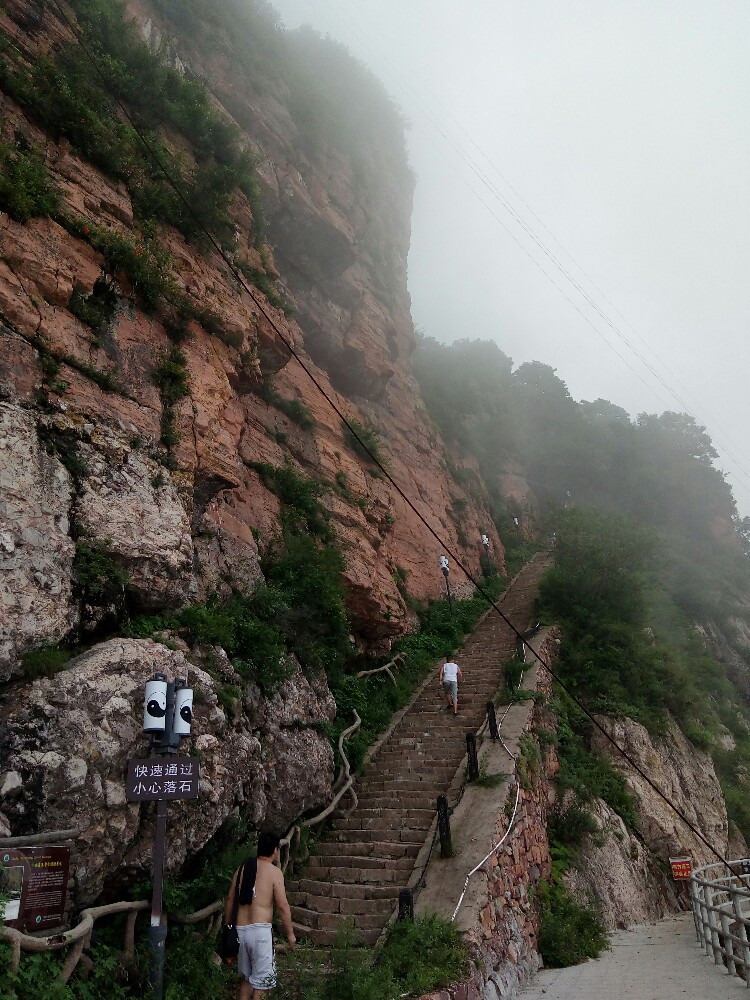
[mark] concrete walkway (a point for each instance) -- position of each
(653, 962)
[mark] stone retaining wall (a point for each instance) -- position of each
(500, 917)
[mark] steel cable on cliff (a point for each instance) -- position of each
(658, 369)
(239, 277)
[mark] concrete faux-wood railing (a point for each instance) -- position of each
(344, 783)
(720, 896)
(78, 938)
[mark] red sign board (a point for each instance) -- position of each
(162, 778)
(35, 882)
(681, 868)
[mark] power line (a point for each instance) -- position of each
(75, 29)
(528, 229)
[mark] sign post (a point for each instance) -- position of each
(167, 717)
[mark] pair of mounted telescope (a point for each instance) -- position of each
(167, 709)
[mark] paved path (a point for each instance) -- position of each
(370, 853)
(652, 962)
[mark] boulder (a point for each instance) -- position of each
(69, 738)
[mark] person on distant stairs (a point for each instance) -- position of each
(262, 886)
(450, 675)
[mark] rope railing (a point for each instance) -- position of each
(79, 936)
(720, 897)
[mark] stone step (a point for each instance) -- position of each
(358, 863)
(369, 852)
(346, 905)
(326, 938)
(335, 922)
(390, 795)
(361, 847)
(415, 834)
(435, 775)
(336, 871)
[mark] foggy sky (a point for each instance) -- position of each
(616, 128)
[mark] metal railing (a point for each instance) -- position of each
(720, 896)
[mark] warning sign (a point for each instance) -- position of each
(149, 780)
(681, 868)
(34, 881)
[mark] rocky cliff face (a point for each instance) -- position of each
(183, 513)
(353, 333)
(626, 871)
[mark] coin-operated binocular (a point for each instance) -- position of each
(167, 712)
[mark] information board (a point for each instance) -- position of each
(35, 882)
(162, 778)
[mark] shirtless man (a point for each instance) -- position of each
(255, 961)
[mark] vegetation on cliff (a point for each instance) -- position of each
(650, 568)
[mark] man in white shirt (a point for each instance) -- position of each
(450, 675)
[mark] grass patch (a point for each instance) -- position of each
(418, 957)
(44, 662)
(141, 260)
(569, 933)
(295, 409)
(265, 284)
(171, 376)
(299, 496)
(95, 308)
(64, 94)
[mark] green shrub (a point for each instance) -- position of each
(299, 496)
(98, 574)
(146, 266)
(364, 441)
(569, 933)
(418, 957)
(65, 95)
(262, 281)
(295, 409)
(26, 190)
(38, 976)
(171, 376)
(95, 308)
(424, 954)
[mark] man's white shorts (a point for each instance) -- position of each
(255, 960)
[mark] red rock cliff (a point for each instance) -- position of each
(339, 249)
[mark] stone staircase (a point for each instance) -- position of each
(367, 856)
